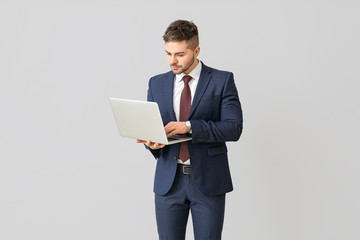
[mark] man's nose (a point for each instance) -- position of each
(173, 60)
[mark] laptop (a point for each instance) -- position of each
(142, 120)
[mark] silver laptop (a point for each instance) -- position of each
(142, 120)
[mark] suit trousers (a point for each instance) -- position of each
(172, 211)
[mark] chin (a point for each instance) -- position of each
(177, 71)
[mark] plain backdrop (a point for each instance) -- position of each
(65, 172)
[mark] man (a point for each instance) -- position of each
(201, 101)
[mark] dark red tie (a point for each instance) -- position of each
(185, 104)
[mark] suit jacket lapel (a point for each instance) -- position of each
(204, 79)
(168, 93)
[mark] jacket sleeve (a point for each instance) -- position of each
(155, 152)
(230, 126)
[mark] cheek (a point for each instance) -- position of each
(184, 61)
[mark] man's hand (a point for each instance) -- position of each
(173, 128)
(151, 144)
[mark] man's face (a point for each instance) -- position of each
(181, 58)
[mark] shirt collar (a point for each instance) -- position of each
(195, 73)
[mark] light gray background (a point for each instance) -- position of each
(65, 173)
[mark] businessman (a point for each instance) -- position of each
(203, 102)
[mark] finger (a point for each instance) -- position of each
(148, 143)
(168, 133)
(170, 126)
(140, 141)
(173, 128)
(169, 129)
(158, 145)
(171, 134)
(161, 145)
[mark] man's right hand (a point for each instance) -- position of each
(151, 144)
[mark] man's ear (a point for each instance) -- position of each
(197, 51)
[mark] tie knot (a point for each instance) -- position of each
(186, 79)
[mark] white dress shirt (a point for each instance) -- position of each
(178, 88)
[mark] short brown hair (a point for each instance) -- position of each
(181, 30)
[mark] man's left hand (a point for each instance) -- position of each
(173, 128)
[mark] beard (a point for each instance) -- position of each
(183, 69)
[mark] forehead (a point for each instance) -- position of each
(173, 47)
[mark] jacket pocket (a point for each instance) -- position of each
(213, 151)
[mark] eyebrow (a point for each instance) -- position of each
(176, 52)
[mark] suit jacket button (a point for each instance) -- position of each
(175, 158)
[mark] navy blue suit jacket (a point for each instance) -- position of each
(215, 117)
